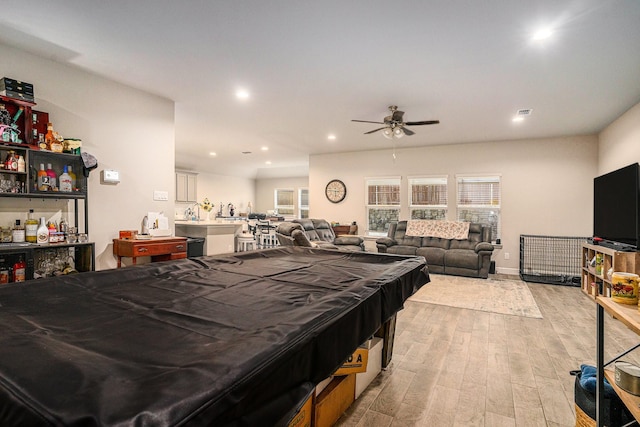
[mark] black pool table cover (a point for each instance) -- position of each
(226, 340)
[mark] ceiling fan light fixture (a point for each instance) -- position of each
(398, 132)
(388, 133)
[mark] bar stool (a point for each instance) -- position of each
(246, 242)
(268, 240)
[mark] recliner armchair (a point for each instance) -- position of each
(315, 232)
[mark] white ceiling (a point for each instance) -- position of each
(311, 67)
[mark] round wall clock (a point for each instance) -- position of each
(335, 191)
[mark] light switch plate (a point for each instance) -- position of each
(108, 176)
(160, 195)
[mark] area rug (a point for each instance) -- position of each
(503, 296)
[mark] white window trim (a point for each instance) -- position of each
(302, 207)
(291, 207)
(376, 206)
(497, 207)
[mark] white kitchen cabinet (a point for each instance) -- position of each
(186, 187)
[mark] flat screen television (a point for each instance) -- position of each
(616, 206)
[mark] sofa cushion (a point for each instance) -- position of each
(288, 227)
(462, 258)
(401, 237)
(436, 242)
(434, 256)
(402, 250)
(323, 230)
(300, 238)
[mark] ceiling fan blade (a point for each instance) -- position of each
(397, 116)
(425, 122)
(408, 131)
(367, 121)
(375, 130)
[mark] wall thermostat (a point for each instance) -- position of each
(108, 176)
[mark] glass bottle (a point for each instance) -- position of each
(31, 228)
(20, 270)
(22, 166)
(52, 177)
(18, 232)
(43, 232)
(65, 181)
(43, 179)
(48, 137)
(73, 177)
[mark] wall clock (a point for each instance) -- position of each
(335, 191)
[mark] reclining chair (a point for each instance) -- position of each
(315, 233)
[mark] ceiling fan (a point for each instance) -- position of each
(394, 127)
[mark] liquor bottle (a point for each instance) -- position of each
(43, 179)
(43, 232)
(18, 232)
(4, 274)
(48, 137)
(73, 177)
(11, 163)
(66, 184)
(52, 177)
(22, 166)
(20, 270)
(31, 228)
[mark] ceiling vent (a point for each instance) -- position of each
(524, 112)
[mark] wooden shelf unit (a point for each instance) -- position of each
(630, 317)
(595, 278)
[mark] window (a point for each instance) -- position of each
(428, 197)
(284, 202)
(383, 204)
(479, 201)
(303, 203)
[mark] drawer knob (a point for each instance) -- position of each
(179, 246)
(143, 249)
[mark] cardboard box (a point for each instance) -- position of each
(374, 366)
(357, 362)
(304, 416)
(322, 385)
(334, 400)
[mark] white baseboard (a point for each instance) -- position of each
(505, 270)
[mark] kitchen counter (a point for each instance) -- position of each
(219, 235)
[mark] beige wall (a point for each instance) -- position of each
(546, 183)
(619, 143)
(124, 128)
(223, 189)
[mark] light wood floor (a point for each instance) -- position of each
(459, 367)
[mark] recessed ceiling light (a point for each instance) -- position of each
(213, 153)
(542, 34)
(242, 94)
(331, 137)
(265, 148)
(268, 162)
(517, 119)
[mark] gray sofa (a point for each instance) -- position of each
(470, 257)
(315, 232)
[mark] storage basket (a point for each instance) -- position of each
(582, 419)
